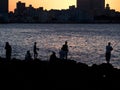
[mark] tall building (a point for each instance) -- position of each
(83, 5)
(3, 6)
(4, 10)
(20, 8)
(95, 7)
(98, 7)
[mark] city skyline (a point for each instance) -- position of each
(54, 4)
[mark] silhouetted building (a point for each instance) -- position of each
(3, 10)
(107, 10)
(40, 9)
(83, 5)
(110, 12)
(20, 7)
(94, 7)
(98, 7)
(72, 7)
(85, 12)
(107, 7)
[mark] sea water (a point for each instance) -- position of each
(86, 42)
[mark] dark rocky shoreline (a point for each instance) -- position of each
(57, 75)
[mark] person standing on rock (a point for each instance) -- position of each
(109, 48)
(35, 49)
(8, 51)
(65, 50)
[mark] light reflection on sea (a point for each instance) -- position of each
(86, 41)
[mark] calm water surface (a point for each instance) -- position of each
(86, 41)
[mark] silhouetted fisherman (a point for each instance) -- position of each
(108, 52)
(8, 51)
(65, 49)
(53, 56)
(28, 56)
(35, 49)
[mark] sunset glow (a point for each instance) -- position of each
(57, 4)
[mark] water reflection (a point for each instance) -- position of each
(86, 42)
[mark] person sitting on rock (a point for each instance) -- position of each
(53, 56)
(28, 56)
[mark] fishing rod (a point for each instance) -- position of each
(116, 44)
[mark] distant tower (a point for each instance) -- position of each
(4, 10)
(107, 7)
(95, 7)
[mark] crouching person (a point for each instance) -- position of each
(28, 56)
(53, 57)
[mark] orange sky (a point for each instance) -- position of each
(58, 4)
